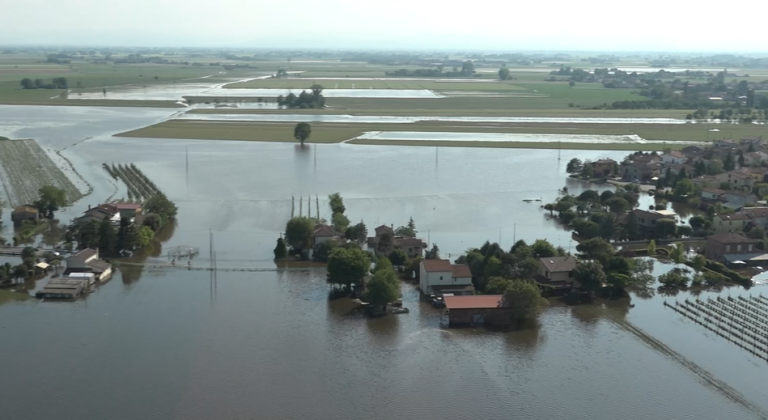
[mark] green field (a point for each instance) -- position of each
(338, 132)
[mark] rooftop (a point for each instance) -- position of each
(25, 209)
(738, 193)
(127, 206)
(87, 253)
(383, 229)
(559, 264)
(730, 238)
(734, 216)
(473, 302)
(437, 265)
(461, 270)
(323, 231)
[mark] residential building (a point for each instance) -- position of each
(87, 261)
(692, 151)
(557, 268)
(386, 248)
(646, 220)
(323, 233)
(603, 167)
(755, 141)
(128, 210)
(413, 247)
(477, 310)
(676, 168)
(757, 215)
(673, 158)
(730, 223)
(22, 213)
(738, 178)
(724, 144)
(639, 171)
(730, 247)
(712, 194)
(755, 158)
(99, 213)
(435, 275)
(737, 199)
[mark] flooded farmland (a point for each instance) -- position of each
(267, 343)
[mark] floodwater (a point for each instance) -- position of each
(413, 119)
(508, 137)
(162, 344)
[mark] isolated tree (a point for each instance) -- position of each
(398, 257)
(407, 230)
(652, 247)
(298, 232)
(632, 228)
(28, 252)
(281, 251)
(467, 68)
(340, 222)
(386, 241)
(382, 288)
(574, 166)
(27, 83)
(347, 266)
(543, 249)
(302, 132)
(677, 253)
(697, 222)
(590, 275)
(433, 253)
(571, 83)
(357, 232)
(161, 205)
(153, 221)
(504, 73)
(51, 200)
(107, 237)
(524, 300)
(595, 249)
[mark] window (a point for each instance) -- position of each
(750, 247)
(738, 248)
(727, 248)
(441, 277)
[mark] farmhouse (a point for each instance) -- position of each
(442, 277)
(22, 213)
(477, 310)
(603, 167)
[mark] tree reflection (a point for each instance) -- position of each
(525, 340)
(55, 234)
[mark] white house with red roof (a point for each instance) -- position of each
(440, 276)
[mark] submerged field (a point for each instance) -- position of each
(25, 167)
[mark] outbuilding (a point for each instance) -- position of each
(476, 310)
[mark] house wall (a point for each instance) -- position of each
(438, 278)
(737, 201)
(493, 316)
(715, 250)
(709, 195)
(322, 239)
(726, 226)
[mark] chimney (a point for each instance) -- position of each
(392, 226)
(89, 206)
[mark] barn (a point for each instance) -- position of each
(476, 310)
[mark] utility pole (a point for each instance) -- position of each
(317, 204)
(514, 235)
(187, 168)
(436, 150)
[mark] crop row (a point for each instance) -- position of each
(139, 186)
(25, 168)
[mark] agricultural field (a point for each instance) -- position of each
(339, 132)
(25, 168)
(140, 188)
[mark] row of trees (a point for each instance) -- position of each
(467, 69)
(304, 100)
(56, 83)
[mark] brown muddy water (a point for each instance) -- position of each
(158, 343)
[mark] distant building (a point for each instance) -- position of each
(739, 178)
(87, 261)
(477, 310)
(22, 213)
(603, 167)
(711, 194)
(737, 199)
(323, 233)
(128, 210)
(440, 277)
(646, 220)
(99, 213)
(413, 247)
(730, 223)
(557, 273)
(63, 288)
(673, 158)
(730, 247)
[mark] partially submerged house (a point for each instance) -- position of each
(25, 212)
(731, 247)
(413, 247)
(604, 167)
(477, 310)
(99, 213)
(63, 288)
(440, 277)
(87, 261)
(557, 274)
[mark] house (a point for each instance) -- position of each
(676, 168)
(758, 216)
(87, 261)
(99, 213)
(603, 167)
(692, 151)
(62, 288)
(387, 247)
(755, 141)
(730, 223)
(711, 194)
(477, 310)
(739, 178)
(323, 233)
(705, 181)
(413, 247)
(755, 158)
(22, 213)
(737, 199)
(724, 144)
(41, 268)
(557, 268)
(128, 210)
(646, 220)
(730, 247)
(673, 158)
(435, 275)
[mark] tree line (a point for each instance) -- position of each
(304, 100)
(56, 83)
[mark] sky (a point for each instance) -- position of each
(490, 25)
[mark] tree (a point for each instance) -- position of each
(756, 233)
(413, 266)
(543, 249)
(408, 230)
(386, 241)
(617, 205)
(504, 73)
(665, 228)
(677, 254)
(88, 235)
(123, 233)
(336, 203)
(524, 300)
(347, 266)
(107, 237)
(467, 68)
(382, 288)
(595, 249)
(497, 285)
(398, 257)
(358, 232)
(574, 166)
(144, 236)
(302, 132)
(492, 267)
(27, 83)
(632, 228)
(280, 249)
(571, 83)
(153, 221)
(590, 275)
(340, 222)
(161, 205)
(28, 252)
(675, 278)
(741, 159)
(323, 250)
(683, 187)
(652, 247)
(433, 253)
(699, 261)
(589, 197)
(298, 232)
(697, 222)
(20, 272)
(728, 163)
(550, 207)
(51, 200)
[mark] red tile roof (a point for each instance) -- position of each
(128, 206)
(323, 231)
(437, 265)
(731, 238)
(473, 302)
(461, 270)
